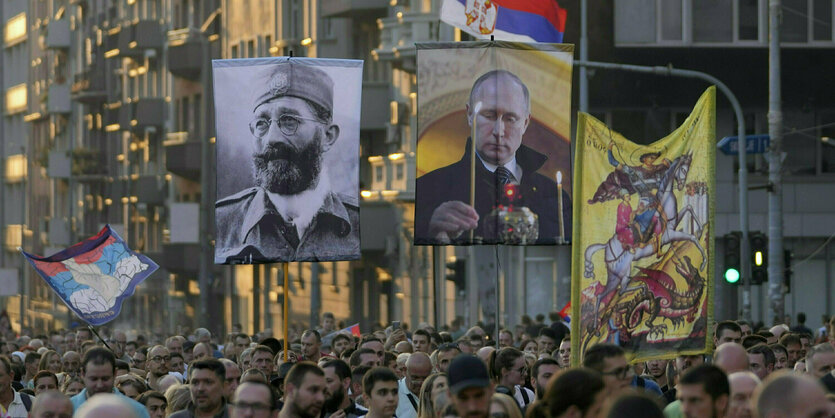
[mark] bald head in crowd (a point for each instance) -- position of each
(731, 358)
(743, 385)
(106, 405)
(52, 404)
(791, 395)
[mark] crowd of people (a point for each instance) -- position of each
(425, 373)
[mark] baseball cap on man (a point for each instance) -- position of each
(467, 371)
(296, 79)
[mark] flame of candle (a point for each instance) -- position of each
(559, 177)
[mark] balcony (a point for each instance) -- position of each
(59, 99)
(150, 190)
(353, 8)
(181, 258)
(185, 53)
(182, 156)
(58, 34)
(111, 42)
(145, 113)
(135, 38)
(88, 87)
(399, 35)
(88, 165)
(113, 117)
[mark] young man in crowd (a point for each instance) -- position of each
(380, 387)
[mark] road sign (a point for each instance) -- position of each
(756, 144)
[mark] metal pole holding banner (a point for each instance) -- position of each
(775, 167)
(286, 346)
(93, 330)
(669, 71)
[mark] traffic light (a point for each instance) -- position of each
(759, 257)
(457, 272)
(732, 266)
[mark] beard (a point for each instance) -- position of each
(333, 402)
(282, 169)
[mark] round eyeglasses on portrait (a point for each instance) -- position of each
(288, 124)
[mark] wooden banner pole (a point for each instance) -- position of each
(286, 347)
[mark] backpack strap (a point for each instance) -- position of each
(27, 401)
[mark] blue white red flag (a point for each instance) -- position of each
(507, 20)
(94, 276)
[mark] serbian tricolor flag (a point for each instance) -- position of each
(95, 276)
(507, 20)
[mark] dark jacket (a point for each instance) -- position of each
(452, 182)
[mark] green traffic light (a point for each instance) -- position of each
(731, 275)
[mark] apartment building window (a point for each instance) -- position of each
(16, 168)
(16, 99)
(713, 21)
(748, 20)
(15, 29)
(268, 43)
(250, 48)
(234, 52)
(198, 117)
(822, 22)
(795, 18)
(671, 20)
(296, 23)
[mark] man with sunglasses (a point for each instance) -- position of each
(291, 213)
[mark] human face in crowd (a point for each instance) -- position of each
(175, 346)
(252, 401)
(502, 119)
(233, 376)
(128, 390)
(473, 402)
(416, 374)
(421, 343)
(139, 360)
(477, 342)
(728, 336)
(546, 344)
(742, 388)
(117, 343)
(241, 344)
(289, 164)
(98, 378)
(517, 373)
(505, 340)
(306, 400)
(821, 364)
(201, 351)
(543, 375)
(311, 346)
(564, 354)
(804, 345)
(52, 407)
(376, 346)
(130, 349)
(369, 359)
(44, 384)
(685, 362)
(439, 386)
(445, 357)
(531, 347)
(793, 351)
(177, 364)
(756, 363)
(746, 330)
(327, 324)
(382, 399)
(696, 403)
(657, 368)
(207, 390)
(6, 377)
(156, 407)
(263, 360)
(340, 346)
(81, 336)
(335, 387)
(158, 359)
(54, 363)
(74, 388)
(617, 374)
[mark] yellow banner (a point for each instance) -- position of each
(642, 265)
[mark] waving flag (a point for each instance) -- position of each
(507, 20)
(94, 276)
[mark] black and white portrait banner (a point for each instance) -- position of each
(287, 159)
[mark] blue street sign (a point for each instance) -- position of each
(756, 144)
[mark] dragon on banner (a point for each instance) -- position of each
(642, 276)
